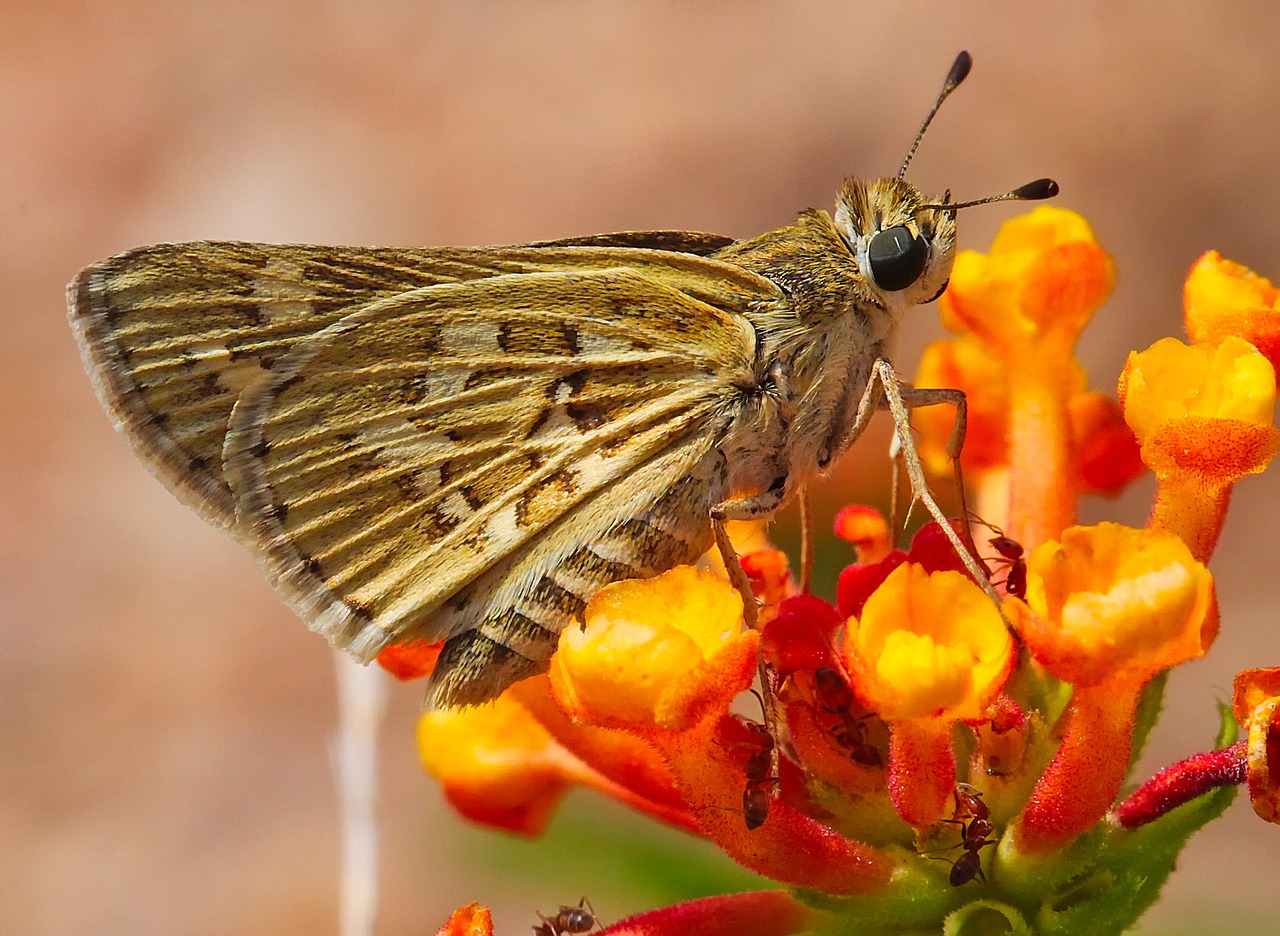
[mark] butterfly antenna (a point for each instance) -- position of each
(1033, 191)
(959, 71)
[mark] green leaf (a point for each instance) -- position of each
(1148, 713)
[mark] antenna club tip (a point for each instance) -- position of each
(960, 69)
(1037, 191)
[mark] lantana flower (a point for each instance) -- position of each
(922, 759)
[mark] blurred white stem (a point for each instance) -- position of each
(362, 697)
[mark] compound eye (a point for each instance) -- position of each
(897, 258)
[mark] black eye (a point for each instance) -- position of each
(897, 258)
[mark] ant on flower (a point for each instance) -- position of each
(836, 698)
(755, 795)
(973, 817)
(1010, 557)
(570, 920)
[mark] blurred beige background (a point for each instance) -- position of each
(165, 720)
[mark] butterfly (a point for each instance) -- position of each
(463, 444)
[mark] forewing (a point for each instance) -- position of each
(172, 334)
(484, 432)
(693, 242)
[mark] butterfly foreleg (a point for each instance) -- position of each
(899, 399)
(913, 398)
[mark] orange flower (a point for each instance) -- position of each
(1041, 282)
(1111, 602)
(498, 766)
(507, 765)
(1257, 708)
(928, 649)
(866, 529)
(1170, 381)
(665, 652)
(1203, 416)
(927, 646)
(1106, 609)
(663, 658)
(1019, 311)
(1223, 298)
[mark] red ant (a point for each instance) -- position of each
(755, 796)
(1009, 556)
(579, 919)
(836, 698)
(973, 817)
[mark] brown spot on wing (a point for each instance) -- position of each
(435, 524)
(586, 416)
(588, 565)
(358, 609)
(550, 594)
(547, 499)
(538, 336)
(473, 668)
(498, 477)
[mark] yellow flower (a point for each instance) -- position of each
(1043, 279)
(928, 649)
(1018, 311)
(1202, 414)
(928, 646)
(1112, 602)
(1171, 381)
(1223, 298)
(666, 652)
(498, 766)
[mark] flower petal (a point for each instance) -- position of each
(1112, 602)
(1223, 298)
(471, 920)
(927, 645)
(498, 766)
(662, 652)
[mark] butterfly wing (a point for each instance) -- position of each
(473, 460)
(172, 334)
(692, 242)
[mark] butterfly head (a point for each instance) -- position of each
(903, 243)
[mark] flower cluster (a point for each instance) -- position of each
(912, 719)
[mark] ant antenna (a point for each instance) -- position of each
(1033, 191)
(959, 71)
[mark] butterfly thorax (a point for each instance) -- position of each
(819, 342)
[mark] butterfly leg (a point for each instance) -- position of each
(757, 507)
(912, 398)
(898, 400)
(806, 540)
